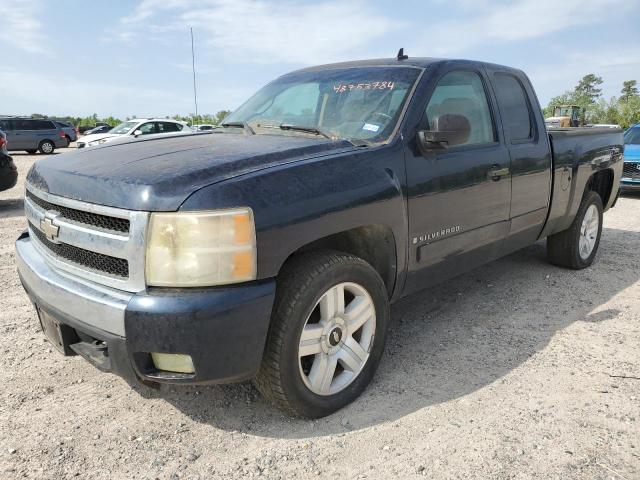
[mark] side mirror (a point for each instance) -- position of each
(137, 132)
(446, 131)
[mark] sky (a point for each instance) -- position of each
(126, 58)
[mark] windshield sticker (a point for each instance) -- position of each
(344, 87)
(371, 127)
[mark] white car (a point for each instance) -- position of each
(135, 128)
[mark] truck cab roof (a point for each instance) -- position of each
(416, 62)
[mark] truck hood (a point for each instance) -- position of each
(159, 174)
(632, 152)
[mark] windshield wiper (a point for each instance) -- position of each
(301, 128)
(244, 125)
(317, 131)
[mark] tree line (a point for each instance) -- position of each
(623, 110)
(93, 120)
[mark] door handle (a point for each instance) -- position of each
(496, 174)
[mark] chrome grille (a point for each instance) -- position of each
(96, 261)
(102, 244)
(112, 224)
(631, 170)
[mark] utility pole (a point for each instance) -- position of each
(193, 66)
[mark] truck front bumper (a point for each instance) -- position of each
(630, 180)
(629, 185)
(223, 329)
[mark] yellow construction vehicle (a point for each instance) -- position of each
(566, 116)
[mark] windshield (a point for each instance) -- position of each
(562, 112)
(350, 103)
(123, 128)
(632, 137)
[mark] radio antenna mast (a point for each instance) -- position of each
(193, 67)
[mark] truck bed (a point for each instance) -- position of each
(576, 154)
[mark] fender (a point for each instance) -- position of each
(297, 204)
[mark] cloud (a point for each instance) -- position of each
(518, 20)
(19, 25)
(261, 31)
(613, 63)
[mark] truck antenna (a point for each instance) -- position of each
(193, 67)
(401, 55)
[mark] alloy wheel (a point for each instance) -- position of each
(336, 339)
(589, 232)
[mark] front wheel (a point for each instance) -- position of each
(327, 334)
(46, 147)
(576, 247)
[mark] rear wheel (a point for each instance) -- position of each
(576, 247)
(327, 334)
(46, 147)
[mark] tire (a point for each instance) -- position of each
(287, 379)
(46, 147)
(68, 139)
(565, 249)
(32, 152)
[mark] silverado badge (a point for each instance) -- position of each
(429, 237)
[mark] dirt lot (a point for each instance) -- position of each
(517, 370)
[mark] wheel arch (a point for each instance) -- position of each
(375, 244)
(601, 182)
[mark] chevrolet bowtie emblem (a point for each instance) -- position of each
(48, 228)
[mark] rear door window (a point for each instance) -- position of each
(42, 125)
(165, 127)
(22, 124)
(514, 107)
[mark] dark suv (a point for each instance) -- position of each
(32, 134)
(8, 170)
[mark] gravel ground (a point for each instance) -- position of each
(516, 370)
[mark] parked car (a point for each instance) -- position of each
(98, 129)
(272, 247)
(604, 125)
(8, 169)
(631, 173)
(32, 134)
(139, 126)
(202, 127)
(83, 129)
(70, 132)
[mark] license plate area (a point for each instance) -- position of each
(58, 334)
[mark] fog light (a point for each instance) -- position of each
(173, 362)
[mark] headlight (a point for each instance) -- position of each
(195, 249)
(97, 142)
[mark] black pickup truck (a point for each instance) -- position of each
(270, 248)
